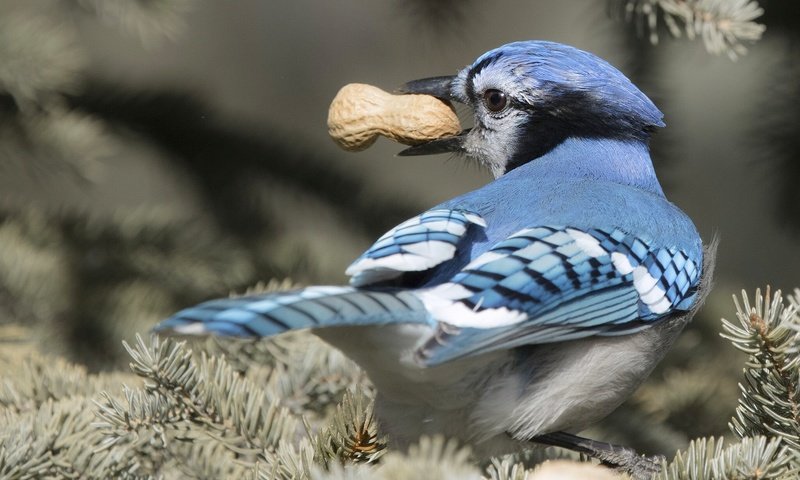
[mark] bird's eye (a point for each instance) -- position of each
(495, 100)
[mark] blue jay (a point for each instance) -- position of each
(529, 308)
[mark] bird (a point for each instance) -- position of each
(521, 312)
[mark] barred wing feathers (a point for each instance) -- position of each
(417, 244)
(554, 283)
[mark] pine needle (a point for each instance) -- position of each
(723, 25)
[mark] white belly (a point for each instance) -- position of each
(484, 401)
(413, 401)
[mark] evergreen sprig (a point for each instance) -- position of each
(433, 458)
(751, 458)
(208, 392)
(766, 419)
(506, 469)
(769, 332)
(723, 25)
(197, 416)
(352, 433)
(58, 439)
(56, 379)
(41, 58)
(149, 20)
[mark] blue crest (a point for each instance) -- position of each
(548, 73)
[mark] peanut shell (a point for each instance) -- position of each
(359, 113)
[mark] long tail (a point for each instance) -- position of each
(314, 307)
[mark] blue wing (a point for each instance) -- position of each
(550, 284)
(313, 307)
(417, 244)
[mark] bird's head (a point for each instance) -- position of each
(528, 97)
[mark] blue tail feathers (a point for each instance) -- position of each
(314, 307)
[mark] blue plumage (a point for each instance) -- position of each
(417, 244)
(568, 283)
(572, 260)
(314, 307)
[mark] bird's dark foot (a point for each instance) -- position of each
(620, 458)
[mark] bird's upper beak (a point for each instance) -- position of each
(441, 88)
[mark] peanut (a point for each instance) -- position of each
(359, 113)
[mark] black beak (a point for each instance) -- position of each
(439, 87)
(454, 144)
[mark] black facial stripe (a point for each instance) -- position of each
(564, 114)
(476, 70)
(520, 105)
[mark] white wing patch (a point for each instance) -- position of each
(649, 292)
(621, 263)
(443, 302)
(191, 329)
(415, 245)
(587, 243)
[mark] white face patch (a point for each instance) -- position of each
(493, 142)
(495, 138)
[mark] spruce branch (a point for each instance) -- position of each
(352, 434)
(433, 457)
(34, 268)
(695, 462)
(289, 461)
(310, 376)
(149, 20)
(505, 469)
(56, 440)
(769, 332)
(211, 393)
(723, 25)
(207, 459)
(30, 379)
(49, 146)
(41, 59)
(307, 374)
(142, 419)
(751, 458)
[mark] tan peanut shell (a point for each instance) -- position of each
(359, 113)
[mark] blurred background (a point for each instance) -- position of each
(158, 153)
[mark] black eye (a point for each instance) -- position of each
(495, 100)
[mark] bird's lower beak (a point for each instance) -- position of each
(454, 144)
(441, 88)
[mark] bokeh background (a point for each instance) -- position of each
(154, 154)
